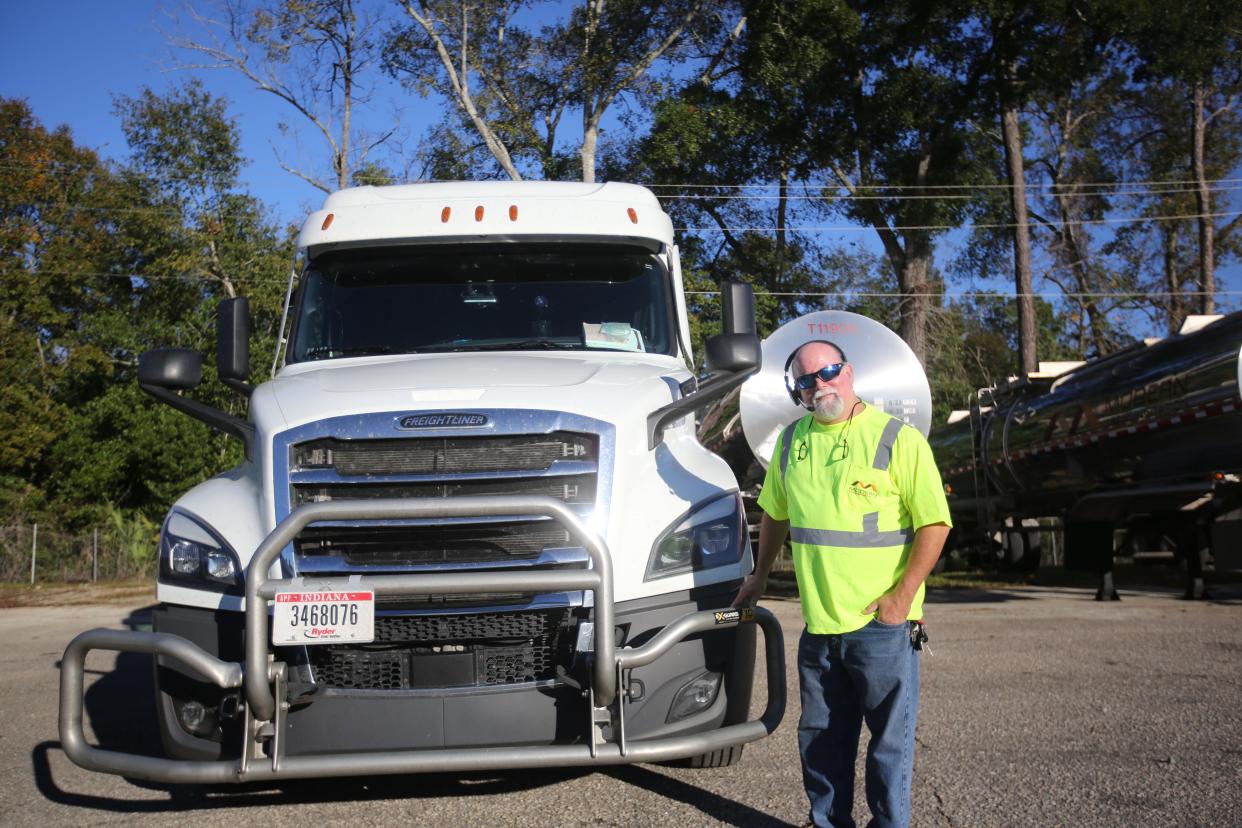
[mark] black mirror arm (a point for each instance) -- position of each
(214, 417)
(710, 390)
(240, 386)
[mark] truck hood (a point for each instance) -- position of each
(610, 386)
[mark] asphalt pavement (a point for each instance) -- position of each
(1040, 707)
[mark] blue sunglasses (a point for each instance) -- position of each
(828, 373)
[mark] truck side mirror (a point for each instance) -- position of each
(233, 344)
(177, 369)
(732, 356)
(737, 347)
(165, 371)
(737, 308)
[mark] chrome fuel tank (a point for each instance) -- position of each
(1153, 413)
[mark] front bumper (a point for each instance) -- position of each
(262, 679)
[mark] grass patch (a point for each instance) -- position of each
(52, 594)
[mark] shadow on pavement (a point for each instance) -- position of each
(960, 595)
(710, 804)
(186, 798)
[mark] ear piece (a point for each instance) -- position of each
(789, 386)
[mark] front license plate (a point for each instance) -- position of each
(323, 617)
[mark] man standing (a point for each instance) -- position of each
(863, 498)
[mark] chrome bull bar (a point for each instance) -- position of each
(262, 755)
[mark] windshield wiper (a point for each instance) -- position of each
(356, 350)
(520, 345)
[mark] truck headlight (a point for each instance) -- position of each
(193, 555)
(712, 535)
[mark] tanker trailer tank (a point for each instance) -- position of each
(1147, 440)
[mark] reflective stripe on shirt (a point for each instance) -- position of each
(869, 538)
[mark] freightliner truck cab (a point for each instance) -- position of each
(474, 527)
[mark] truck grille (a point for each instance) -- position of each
(579, 488)
(563, 465)
(396, 545)
(522, 452)
(447, 651)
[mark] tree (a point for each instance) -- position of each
(883, 95)
(513, 87)
(314, 55)
(730, 193)
(55, 241)
(100, 264)
(1074, 135)
(1198, 54)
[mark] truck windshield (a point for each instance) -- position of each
(483, 297)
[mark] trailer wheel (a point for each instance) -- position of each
(723, 758)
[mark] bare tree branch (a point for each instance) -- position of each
(459, 81)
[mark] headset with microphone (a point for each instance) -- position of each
(789, 386)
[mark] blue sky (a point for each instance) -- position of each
(68, 58)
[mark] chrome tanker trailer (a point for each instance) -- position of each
(1143, 446)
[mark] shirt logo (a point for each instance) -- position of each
(864, 490)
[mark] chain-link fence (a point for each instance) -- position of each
(37, 553)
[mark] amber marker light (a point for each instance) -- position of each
(327, 222)
(512, 212)
(445, 213)
(632, 214)
(478, 213)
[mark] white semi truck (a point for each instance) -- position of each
(474, 527)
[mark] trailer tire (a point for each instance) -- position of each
(723, 758)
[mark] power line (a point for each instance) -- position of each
(964, 197)
(731, 228)
(241, 281)
(982, 294)
(977, 186)
(929, 227)
(996, 185)
(154, 277)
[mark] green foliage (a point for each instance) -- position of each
(100, 264)
(136, 538)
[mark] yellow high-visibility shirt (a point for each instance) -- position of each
(854, 493)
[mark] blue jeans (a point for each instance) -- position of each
(871, 675)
